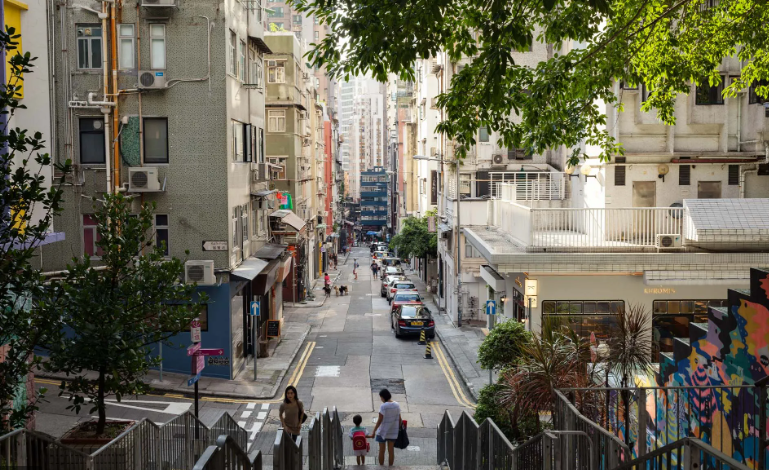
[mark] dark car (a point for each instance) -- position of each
(412, 319)
(405, 298)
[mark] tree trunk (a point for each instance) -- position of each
(100, 405)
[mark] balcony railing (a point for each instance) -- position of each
(585, 228)
(529, 186)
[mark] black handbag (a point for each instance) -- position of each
(402, 441)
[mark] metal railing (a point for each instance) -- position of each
(145, 445)
(585, 228)
(332, 440)
(607, 450)
(315, 443)
(286, 454)
(684, 454)
(529, 185)
(727, 418)
(227, 454)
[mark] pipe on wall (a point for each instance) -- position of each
(113, 60)
(105, 92)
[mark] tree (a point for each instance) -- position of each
(504, 345)
(117, 311)
(414, 239)
(25, 321)
(663, 45)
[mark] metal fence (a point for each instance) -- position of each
(315, 443)
(286, 454)
(685, 454)
(332, 439)
(145, 445)
(227, 454)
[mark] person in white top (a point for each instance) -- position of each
(387, 426)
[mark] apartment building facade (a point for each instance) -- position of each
(165, 102)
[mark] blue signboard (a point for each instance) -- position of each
(491, 307)
(192, 380)
(255, 308)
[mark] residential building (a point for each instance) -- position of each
(373, 200)
(165, 102)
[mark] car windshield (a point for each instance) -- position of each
(413, 312)
(393, 269)
(407, 298)
(404, 286)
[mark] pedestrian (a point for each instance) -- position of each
(360, 445)
(387, 426)
(355, 268)
(373, 268)
(327, 285)
(291, 413)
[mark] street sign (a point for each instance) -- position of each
(210, 352)
(195, 331)
(491, 307)
(255, 308)
(214, 246)
(193, 349)
(198, 363)
(193, 380)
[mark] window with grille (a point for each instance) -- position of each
(684, 175)
(753, 96)
(161, 232)
(734, 175)
(710, 95)
(158, 46)
(89, 46)
(92, 141)
(619, 175)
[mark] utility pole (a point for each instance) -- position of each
(459, 254)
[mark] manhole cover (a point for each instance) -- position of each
(327, 371)
(395, 386)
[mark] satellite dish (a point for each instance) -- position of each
(663, 169)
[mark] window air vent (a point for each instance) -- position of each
(619, 175)
(734, 175)
(684, 175)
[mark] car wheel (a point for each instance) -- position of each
(431, 336)
(397, 332)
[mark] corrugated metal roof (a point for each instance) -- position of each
(729, 214)
(288, 217)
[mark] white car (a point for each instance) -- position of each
(386, 283)
(398, 286)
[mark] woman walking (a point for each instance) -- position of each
(291, 413)
(387, 426)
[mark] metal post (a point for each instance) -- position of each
(255, 337)
(197, 421)
(459, 256)
(641, 422)
(529, 315)
(762, 396)
(160, 352)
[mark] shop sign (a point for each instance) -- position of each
(218, 361)
(659, 290)
(195, 331)
(531, 287)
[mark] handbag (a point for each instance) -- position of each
(402, 441)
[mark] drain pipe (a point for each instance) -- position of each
(105, 93)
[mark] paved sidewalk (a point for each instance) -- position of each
(461, 344)
(317, 288)
(270, 372)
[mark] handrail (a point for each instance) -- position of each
(667, 453)
(228, 455)
(287, 454)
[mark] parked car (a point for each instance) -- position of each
(412, 319)
(399, 285)
(391, 261)
(405, 298)
(386, 282)
(392, 271)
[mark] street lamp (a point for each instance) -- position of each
(459, 226)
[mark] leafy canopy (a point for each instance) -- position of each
(663, 44)
(504, 345)
(29, 203)
(118, 311)
(415, 240)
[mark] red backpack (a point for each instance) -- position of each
(359, 441)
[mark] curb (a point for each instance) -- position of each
(233, 395)
(465, 380)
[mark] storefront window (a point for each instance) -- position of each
(585, 317)
(671, 320)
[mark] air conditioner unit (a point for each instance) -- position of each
(143, 180)
(152, 79)
(668, 241)
(199, 272)
(497, 159)
(159, 3)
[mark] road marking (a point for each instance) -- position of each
(456, 388)
(172, 408)
(251, 406)
(265, 406)
(254, 429)
(245, 415)
(242, 424)
(261, 415)
(327, 371)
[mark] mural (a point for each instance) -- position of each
(722, 360)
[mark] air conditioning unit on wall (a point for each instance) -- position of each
(200, 272)
(669, 241)
(143, 180)
(158, 3)
(498, 160)
(152, 79)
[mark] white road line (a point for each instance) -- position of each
(242, 424)
(254, 429)
(250, 406)
(172, 408)
(265, 406)
(261, 415)
(245, 414)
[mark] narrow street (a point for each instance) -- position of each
(350, 354)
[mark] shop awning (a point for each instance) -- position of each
(270, 251)
(288, 217)
(266, 279)
(249, 268)
(263, 193)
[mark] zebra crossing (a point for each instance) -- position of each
(256, 423)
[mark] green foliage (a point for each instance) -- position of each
(116, 312)
(25, 320)
(665, 45)
(414, 240)
(504, 345)
(489, 406)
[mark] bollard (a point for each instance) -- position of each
(422, 337)
(428, 351)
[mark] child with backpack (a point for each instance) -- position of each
(360, 445)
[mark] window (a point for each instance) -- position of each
(619, 175)
(92, 141)
(584, 316)
(255, 219)
(261, 145)
(276, 71)
(90, 237)
(465, 182)
(298, 20)
(707, 95)
(753, 97)
(483, 134)
(734, 175)
(89, 46)
(235, 231)
(231, 54)
(161, 232)
(156, 140)
(316, 35)
(277, 26)
(242, 61)
(158, 46)
(276, 120)
(278, 170)
(275, 12)
(316, 20)
(237, 141)
(256, 68)
(671, 318)
(126, 47)
(684, 175)
(471, 252)
(244, 223)
(248, 143)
